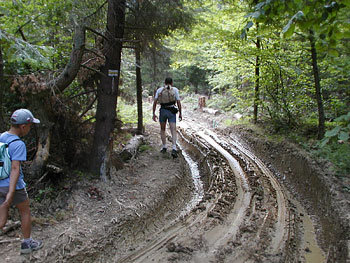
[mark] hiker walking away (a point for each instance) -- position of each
(167, 97)
(12, 188)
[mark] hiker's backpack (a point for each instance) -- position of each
(167, 95)
(5, 161)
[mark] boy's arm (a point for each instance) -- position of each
(15, 168)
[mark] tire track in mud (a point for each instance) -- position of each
(244, 215)
(281, 223)
(243, 199)
(239, 214)
(272, 190)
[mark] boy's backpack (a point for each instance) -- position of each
(5, 161)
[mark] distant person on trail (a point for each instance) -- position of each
(167, 97)
(12, 188)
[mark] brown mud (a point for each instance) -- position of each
(231, 196)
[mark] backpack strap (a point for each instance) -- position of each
(13, 141)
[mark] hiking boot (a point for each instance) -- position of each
(33, 245)
(163, 150)
(174, 153)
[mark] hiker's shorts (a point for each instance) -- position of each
(19, 197)
(166, 115)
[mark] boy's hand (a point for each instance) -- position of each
(4, 211)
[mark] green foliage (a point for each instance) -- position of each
(190, 98)
(340, 132)
(325, 20)
(145, 147)
(21, 52)
(35, 33)
(222, 102)
(47, 192)
(127, 113)
(338, 154)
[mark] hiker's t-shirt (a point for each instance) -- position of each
(17, 152)
(176, 91)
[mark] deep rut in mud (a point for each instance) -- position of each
(239, 213)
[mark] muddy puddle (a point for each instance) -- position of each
(312, 252)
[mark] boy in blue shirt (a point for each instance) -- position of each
(12, 188)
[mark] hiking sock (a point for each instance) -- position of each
(27, 240)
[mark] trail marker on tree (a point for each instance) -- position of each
(113, 73)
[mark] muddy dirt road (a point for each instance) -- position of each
(242, 214)
(218, 202)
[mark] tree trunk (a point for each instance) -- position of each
(42, 154)
(107, 93)
(139, 90)
(154, 72)
(257, 81)
(321, 117)
(2, 86)
(138, 75)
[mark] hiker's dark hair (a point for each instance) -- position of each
(168, 81)
(16, 125)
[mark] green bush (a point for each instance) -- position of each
(127, 113)
(145, 147)
(221, 102)
(340, 132)
(338, 154)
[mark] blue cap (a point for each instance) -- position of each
(23, 116)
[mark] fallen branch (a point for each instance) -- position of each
(131, 148)
(11, 227)
(211, 111)
(9, 240)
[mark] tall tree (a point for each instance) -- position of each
(316, 73)
(139, 88)
(138, 72)
(257, 77)
(108, 90)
